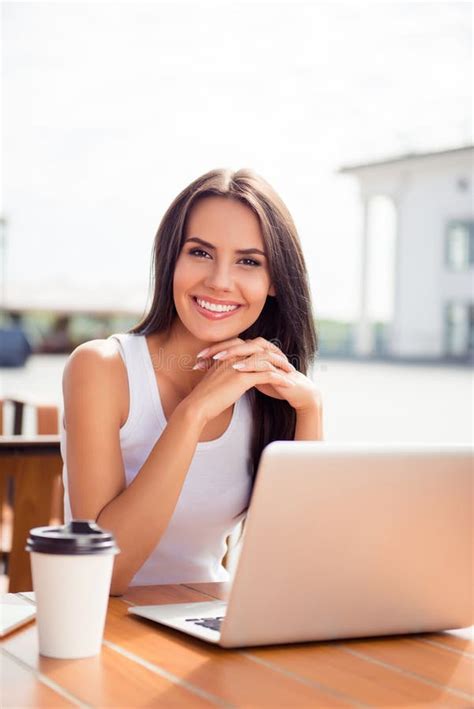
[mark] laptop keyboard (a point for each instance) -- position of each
(211, 623)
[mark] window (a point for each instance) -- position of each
(459, 329)
(460, 245)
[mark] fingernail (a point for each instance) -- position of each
(239, 365)
(219, 355)
(198, 365)
(203, 353)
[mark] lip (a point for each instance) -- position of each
(214, 301)
(214, 316)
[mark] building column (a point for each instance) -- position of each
(364, 331)
(394, 328)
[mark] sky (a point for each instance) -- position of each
(110, 109)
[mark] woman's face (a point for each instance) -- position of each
(217, 273)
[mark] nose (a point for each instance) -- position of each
(219, 277)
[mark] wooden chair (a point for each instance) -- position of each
(31, 492)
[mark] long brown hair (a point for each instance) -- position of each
(286, 319)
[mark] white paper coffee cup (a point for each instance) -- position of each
(72, 569)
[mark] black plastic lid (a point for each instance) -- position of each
(80, 536)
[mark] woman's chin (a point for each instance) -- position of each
(215, 332)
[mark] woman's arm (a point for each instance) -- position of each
(309, 422)
(94, 387)
(138, 514)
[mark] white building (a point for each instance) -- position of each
(433, 254)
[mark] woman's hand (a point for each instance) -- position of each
(260, 355)
(222, 385)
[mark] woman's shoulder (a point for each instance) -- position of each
(95, 358)
(95, 369)
(96, 352)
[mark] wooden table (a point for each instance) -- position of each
(35, 466)
(143, 664)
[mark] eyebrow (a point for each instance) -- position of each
(211, 246)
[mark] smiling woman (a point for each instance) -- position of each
(165, 424)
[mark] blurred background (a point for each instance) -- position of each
(360, 116)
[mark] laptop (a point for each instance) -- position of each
(343, 541)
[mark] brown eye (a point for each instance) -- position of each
(252, 261)
(193, 252)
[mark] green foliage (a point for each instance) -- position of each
(335, 337)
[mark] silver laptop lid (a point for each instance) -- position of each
(348, 540)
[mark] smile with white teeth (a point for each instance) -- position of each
(216, 308)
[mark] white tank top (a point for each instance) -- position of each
(216, 489)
